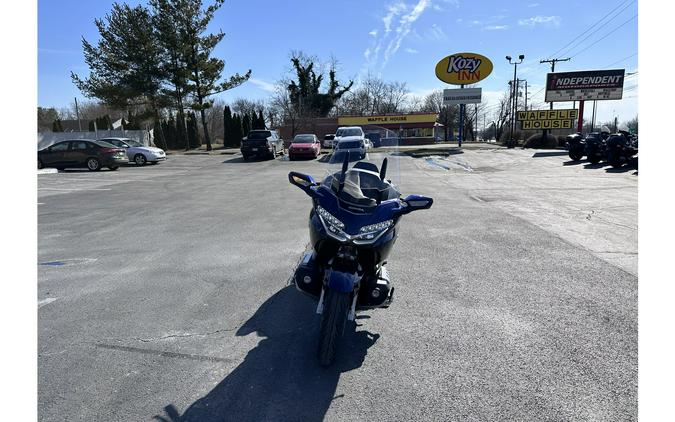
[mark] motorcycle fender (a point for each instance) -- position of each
(341, 282)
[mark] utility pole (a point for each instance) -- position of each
(553, 62)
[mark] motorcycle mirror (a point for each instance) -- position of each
(303, 181)
(383, 169)
(345, 164)
(415, 202)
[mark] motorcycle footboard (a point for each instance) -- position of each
(308, 276)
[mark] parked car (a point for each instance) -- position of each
(328, 140)
(81, 153)
(137, 152)
(304, 145)
(375, 139)
(355, 148)
(349, 133)
(262, 143)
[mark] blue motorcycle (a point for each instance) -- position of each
(353, 225)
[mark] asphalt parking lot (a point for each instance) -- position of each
(162, 291)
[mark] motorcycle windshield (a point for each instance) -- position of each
(364, 182)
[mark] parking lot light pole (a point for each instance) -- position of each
(515, 76)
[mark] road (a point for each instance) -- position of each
(162, 291)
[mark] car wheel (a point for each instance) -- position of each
(113, 168)
(39, 164)
(140, 159)
(244, 156)
(93, 164)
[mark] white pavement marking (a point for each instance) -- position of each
(46, 301)
(47, 171)
(76, 189)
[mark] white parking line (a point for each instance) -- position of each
(46, 301)
(73, 189)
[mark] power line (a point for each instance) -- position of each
(619, 61)
(591, 27)
(606, 35)
(599, 27)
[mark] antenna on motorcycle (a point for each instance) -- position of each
(345, 164)
(383, 169)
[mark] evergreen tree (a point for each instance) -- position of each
(125, 63)
(57, 126)
(227, 127)
(158, 134)
(246, 124)
(193, 135)
(237, 134)
(261, 120)
(181, 134)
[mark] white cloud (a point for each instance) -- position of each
(393, 10)
(373, 33)
(496, 27)
(411, 51)
(435, 33)
(533, 5)
(540, 20)
(264, 85)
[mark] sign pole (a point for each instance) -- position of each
(461, 121)
(580, 123)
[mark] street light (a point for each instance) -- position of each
(515, 64)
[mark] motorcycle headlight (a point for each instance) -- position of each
(378, 227)
(329, 218)
(373, 231)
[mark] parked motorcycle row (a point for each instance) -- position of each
(617, 149)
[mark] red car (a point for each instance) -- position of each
(304, 145)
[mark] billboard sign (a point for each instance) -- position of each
(463, 68)
(462, 96)
(586, 85)
(548, 119)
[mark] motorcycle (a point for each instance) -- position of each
(596, 147)
(353, 226)
(575, 144)
(620, 148)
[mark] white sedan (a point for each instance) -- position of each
(137, 152)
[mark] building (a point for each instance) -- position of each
(403, 129)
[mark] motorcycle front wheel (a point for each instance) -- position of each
(333, 318)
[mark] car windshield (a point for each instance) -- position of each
(348, 132)
(133, 143)
(348, 144)
(303, 139)
(259, 135)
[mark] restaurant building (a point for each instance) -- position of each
(403, 129)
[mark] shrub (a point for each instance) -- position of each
(538, 141)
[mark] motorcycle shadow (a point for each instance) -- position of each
(280, 379)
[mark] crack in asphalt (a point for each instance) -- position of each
(151, 339)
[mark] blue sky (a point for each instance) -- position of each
(397, 40)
